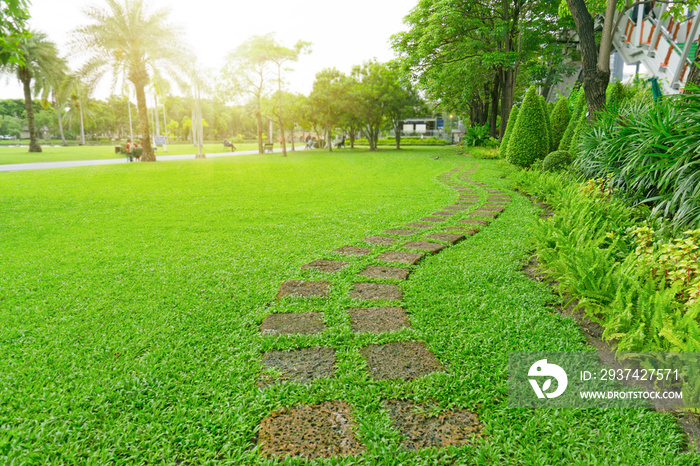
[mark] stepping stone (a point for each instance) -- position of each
(446, 237)
(325, 430)
(467, 231)
(432, 219)
(423, 430)
(499, 200)
(300, 365)
(378, 319)
(475, 221)
(324, 265)
(297, 322)
(484, 214)
(400, 256)
(353, 251)
(425, 246)
(459, 207)
(400, 232)
(489, 209)
(304, 289)
(383, 240)
(468, 198)
(420, 225)
(443, 213)
(494, 206)
(376, 292)
(401, 360)
(397, 273)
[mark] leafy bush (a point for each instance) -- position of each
(476, 136)
(641, 286)
(483, 152)
(560, 120)
(581, 128)
(557, 160)
(529, 141)
(579, 106)
(547, 123)
(509, 130)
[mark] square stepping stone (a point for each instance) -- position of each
(475, 221)
(499, 200)
(376, 292)
(401, 360)
(446, 237)
(485, 208)
(400, 256)
(425, 246)
(467, 231)
(423, 430)
(484, 214)
(397, 273)
(424, 226)
(300, 365)
(296, 322)
(353, 251)
(458, 207)
(378, 319)
(400, 232)
(324, 265)
(496, 207)
(383, 240)
(443, 213)
(432, 219)
(304, 289)
(325, 430)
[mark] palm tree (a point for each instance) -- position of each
(41, 65)
(124, 37)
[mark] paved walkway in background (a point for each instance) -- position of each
(84, 163)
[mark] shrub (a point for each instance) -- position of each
(529, 141)
(560, 120)
(581, 127)
(477, 136)
(509, 129)
(547, 123)
(580, 104)
(557, 160)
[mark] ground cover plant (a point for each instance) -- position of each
(13, 154)
(133, 297)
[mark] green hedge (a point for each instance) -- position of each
(410, 141)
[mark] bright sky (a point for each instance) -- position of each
(342, 33)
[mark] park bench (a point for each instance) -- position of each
(268, 147)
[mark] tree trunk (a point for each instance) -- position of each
(82, 123)
(329, 142)
(595, 76)
(493, 114)
(147, 155)
(29, 106)
(60, 122)
(258, 121)
(694, 75)
(397, 133)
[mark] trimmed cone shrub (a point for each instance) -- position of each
(509, 129)
(565, 143)
(581, 127)
(560, 120)
(615, 95)
(547, 122)
(557, 160)
(529, 141)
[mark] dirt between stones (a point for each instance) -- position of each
(454, 427)
(311, 431)
(301, 365)
(378, 319)
(400, 360)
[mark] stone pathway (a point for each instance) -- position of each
(328, 429)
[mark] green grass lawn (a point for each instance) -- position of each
(12, 155)
(131, 298)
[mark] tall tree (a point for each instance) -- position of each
(39, 65)
(125, 37)
(328, 100)
(250, 70)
